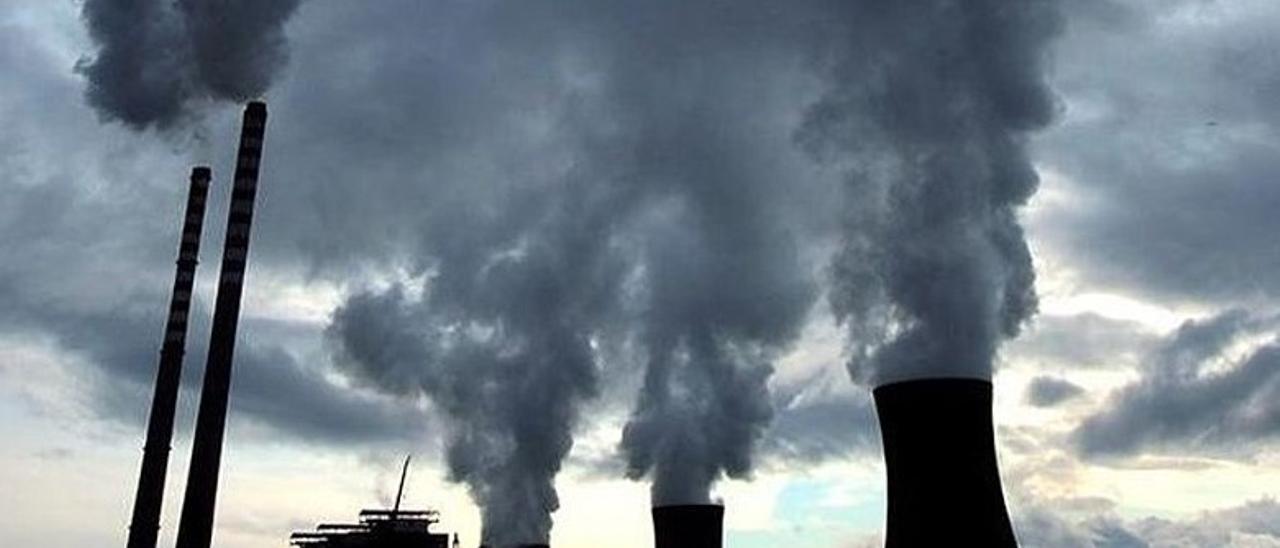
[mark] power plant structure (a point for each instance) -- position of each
(943, 478)
(144, 526)
(394, 528)
(688, 526)
(195, 529)
(519, 546)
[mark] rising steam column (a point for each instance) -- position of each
(195, 530)
(144, 527)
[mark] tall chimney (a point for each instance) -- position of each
(145, 524)
(688, 526)
(943, 479)
(195, 530)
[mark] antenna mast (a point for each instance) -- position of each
(400, 492)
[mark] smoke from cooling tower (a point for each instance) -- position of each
(667, 242)
(667, 221)
(158, 60)
(930, 107)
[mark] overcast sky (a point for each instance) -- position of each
(608, 182)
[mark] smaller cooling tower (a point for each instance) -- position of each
(943, 480)
(688, 526)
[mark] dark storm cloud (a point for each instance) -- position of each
(1171, 151)
(1051, 391)
(1193, 397)
(930, 108)
(158, 60)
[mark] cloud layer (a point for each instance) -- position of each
(1197, 392)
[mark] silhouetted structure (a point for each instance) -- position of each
(520, 546)
(144, 527)
(943, 480)
(378, 529)
(394, 528)
(688, 526)
(195, 530)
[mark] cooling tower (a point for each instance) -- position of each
(195, 530)
(688, 526)
(144, 527)
(943, 479)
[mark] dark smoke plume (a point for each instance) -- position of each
(158, 60)
(929, 109)
(501, 342)
(669, 241)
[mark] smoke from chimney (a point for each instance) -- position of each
(158, 60)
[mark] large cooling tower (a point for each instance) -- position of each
(943, 479)
(688, 526)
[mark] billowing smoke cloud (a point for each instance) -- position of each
(929, 109)
(502, 343)
(159, 59)
(661, 229)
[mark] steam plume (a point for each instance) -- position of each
(669, 240)
(501, 343)
(158, 60)
(929, 109)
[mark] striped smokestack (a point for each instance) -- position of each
(195, 530)
(688, 526)
(943, 480)
(145, 524)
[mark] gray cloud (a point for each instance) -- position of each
(1252, 524)
(1080, 341)
(90, 225)
(811, 430)
(1051, 391)
(1170, 151)
(157, 61)
(929, 110)
(1192, 398)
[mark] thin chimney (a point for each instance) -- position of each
(144, 527)
(195, 530)
(688, 526)
(943, 479)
